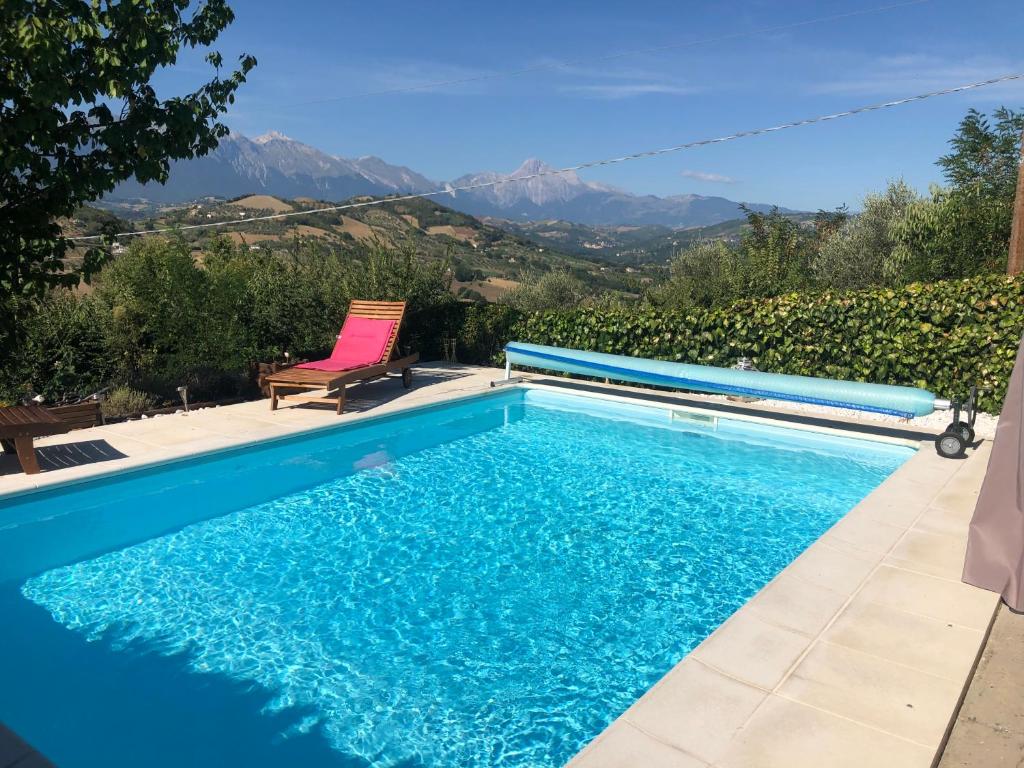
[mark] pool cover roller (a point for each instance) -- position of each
(878, 398)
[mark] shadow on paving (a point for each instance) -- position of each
(64, 455)
(365, 396)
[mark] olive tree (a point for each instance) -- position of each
(859, 254)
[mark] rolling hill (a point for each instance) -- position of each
(624, 245)
(485, 259)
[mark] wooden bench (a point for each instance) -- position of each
(83, 415)
(20, 425)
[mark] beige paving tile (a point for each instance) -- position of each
(974, 468)
(59, 458)
(786, 734)
(943, 599)
(236, 425)
(901, 701)
(841, 570)
(934, 467)
(924, 469)
(695, 709)
(957, 497)
(16, 481)
(796, 604)
(933, 553)
(909, 488)
(126, 444)
(623, 746)
(961, 492)
(164, 431)
(864, 533)
(945, 521)
(752, 650)
(899, 511)
(930, 645)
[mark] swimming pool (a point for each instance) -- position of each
(488, 582)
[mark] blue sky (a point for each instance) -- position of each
(318, 49)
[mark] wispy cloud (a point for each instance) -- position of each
(628, 90)
(612, 81)
(711, 178)
(910, 73)
(413, 75)
(396, 77)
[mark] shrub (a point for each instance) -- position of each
(954, 233)
(707, 274)
(159, 320)
(171, 322)
(62, 350)
(125, 401)
(552, 290)
(484, 330)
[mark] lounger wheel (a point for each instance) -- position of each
(950, 445)
(407, 377)
(963, 429)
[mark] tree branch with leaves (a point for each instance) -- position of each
(78, 115)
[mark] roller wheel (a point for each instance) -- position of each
(963, 429)
(407, 377)
(950, 445)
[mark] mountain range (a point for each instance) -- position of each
(277, 165)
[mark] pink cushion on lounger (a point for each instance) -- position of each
(330, 364)
(362, 341)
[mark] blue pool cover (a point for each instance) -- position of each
(907, 402)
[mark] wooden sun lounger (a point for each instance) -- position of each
(20, 425)
(335, 381)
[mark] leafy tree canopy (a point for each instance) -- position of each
(776, 253)
(985, 154)
(78, 115)
(965, 230)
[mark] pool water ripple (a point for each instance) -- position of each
(496, 600)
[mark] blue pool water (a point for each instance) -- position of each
(484, 584)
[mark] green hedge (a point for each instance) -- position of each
(942, 336)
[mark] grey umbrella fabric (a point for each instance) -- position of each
(995, 543)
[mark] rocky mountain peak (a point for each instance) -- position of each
(270, 136)
(277, 165)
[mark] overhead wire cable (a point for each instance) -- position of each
(450, 190)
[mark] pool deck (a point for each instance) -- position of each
(858, 654)
(87, 453)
